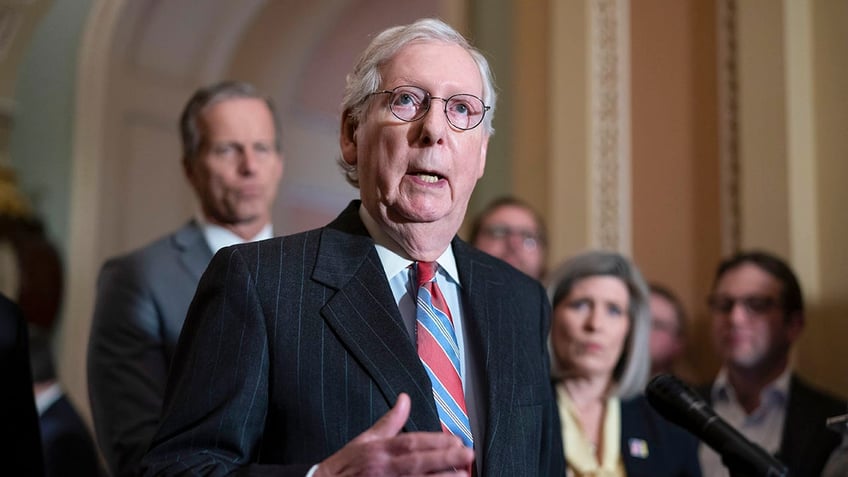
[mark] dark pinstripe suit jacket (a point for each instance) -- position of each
(294, 346)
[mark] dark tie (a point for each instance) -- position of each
(438, 351)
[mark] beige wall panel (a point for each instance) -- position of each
(762, 127)
(676, 235)
(531, 104)
(821, 354)
(492, 28)
(568, 203)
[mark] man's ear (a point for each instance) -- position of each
(347, 138)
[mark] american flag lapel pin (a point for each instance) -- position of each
(638, 448)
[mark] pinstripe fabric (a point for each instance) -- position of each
(440, 355)
(294, 346)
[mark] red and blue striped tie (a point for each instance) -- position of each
(438, 351)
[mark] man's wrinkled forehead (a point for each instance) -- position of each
(432, 60)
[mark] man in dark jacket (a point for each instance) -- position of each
(20, 451)
(65, 439)
(313, 354)
(757, 315)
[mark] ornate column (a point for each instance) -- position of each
(609, 116)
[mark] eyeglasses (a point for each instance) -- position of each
(529, 240)
(752, 304)
(411, 103)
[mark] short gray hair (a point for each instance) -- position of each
(633, 368)
(366, 79)
(192, 137)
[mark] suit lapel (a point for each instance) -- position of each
(193, 250)
(363, 315)
(484, 293)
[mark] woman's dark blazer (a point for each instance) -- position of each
(654, 447)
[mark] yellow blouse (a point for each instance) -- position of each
(580, 456)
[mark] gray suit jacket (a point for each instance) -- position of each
(294, 346)
(142, 300)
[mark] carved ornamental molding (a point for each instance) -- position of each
(609, 125)
(728, 90)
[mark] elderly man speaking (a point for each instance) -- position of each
(380, 344)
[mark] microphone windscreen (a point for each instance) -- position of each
(677, 402)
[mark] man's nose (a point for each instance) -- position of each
(249, 162)
(738, 313)
(434, 124)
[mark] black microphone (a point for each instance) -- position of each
(678, 403)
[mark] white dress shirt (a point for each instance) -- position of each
(48, 397)
(218, 237)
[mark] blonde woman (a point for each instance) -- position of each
(600, 362)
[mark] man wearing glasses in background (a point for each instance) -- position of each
(509, 229)
(317, 354)
(757, 315)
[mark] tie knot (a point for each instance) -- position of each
(426, 272)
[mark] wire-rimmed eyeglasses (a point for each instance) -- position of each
(528, 239)
(411, 103)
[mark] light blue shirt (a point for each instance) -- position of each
(764, 426)
(401, 277)
(403, 283)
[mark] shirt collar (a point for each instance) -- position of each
(394, 262)
(723, 390)
(219, 237)
(46, 398)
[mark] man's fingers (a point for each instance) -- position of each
(446, 459)
(384, 450)
(391, 423)
(422, 441)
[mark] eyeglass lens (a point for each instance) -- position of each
(754, 304)
(411, 103)
(529, 239)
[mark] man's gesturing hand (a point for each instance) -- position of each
(383, 451)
